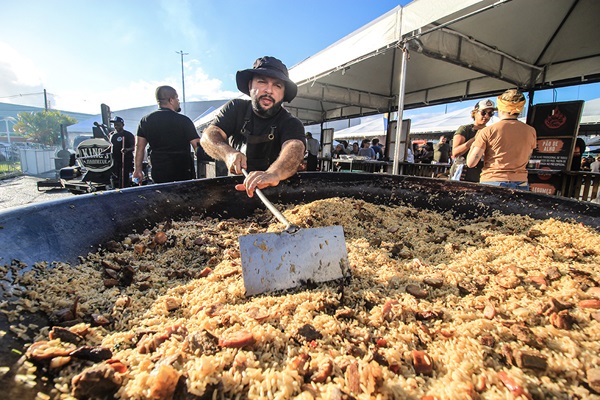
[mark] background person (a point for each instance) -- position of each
(425, 155)
(441, 151)
(312, 152)
(595, 166)
(464, 137)
(578, 151)
(273, 138)
(366, 150)
(410, 155)
(169, 136)
(378, 148)
(505, 146)
(338, 151)
(122, 145)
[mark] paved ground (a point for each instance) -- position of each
(22, 190)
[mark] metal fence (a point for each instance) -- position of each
(10, 161)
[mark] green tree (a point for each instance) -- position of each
(43, 127)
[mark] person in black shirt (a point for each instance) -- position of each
(122, 145)
(169, 136)
(273, 139)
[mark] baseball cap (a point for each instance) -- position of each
(118, 119)
(484, 104)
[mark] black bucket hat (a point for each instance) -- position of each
(267, 66)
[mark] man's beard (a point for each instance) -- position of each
(261, 112)
(178, 109)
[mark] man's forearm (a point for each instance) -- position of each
(214, 143)
(290, 157)
(475, 154)
(140, 151)
(461, 149)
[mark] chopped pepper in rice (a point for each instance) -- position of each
(436, 309)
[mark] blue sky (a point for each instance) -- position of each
(88, 52)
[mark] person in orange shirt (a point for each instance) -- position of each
(505, 146)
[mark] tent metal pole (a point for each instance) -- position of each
(402, 82)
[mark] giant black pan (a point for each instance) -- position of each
(64, 229)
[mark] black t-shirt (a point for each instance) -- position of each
(169, 135)
(263, 136)
(469, 174)
(116, 140)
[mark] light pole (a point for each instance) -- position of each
(182, 77)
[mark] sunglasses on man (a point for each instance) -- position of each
(488, 113)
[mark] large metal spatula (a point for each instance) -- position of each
(293, 257)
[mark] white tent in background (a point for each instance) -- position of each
(591, 112)
(445, 123)
(374, 127)
(442, 123)
(449, 122)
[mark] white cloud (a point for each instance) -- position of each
(24, 71)
(23, 83)
(199, 86)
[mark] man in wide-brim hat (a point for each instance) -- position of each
(272, 139)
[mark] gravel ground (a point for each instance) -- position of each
(22, 190)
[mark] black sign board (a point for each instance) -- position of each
(553, 153)
(556, 126)
(556, 119)
(545, 182)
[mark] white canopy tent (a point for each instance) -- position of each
(437, 51)
(456, 50)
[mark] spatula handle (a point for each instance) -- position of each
(270, 205)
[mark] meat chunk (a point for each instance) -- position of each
(562, 320)
(353, 378)
(237, 339)
(309, 332)
(416, 291)
(202, 342)
(96, 382)
(487, 340)
(301, 364)
(94, 354)
(64, 335)
(323, 372)
(525, 335)
(422, 363)
(527, 359)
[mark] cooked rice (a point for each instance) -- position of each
(369, 332)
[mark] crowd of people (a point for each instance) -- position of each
(262, 140)
(369, 149)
